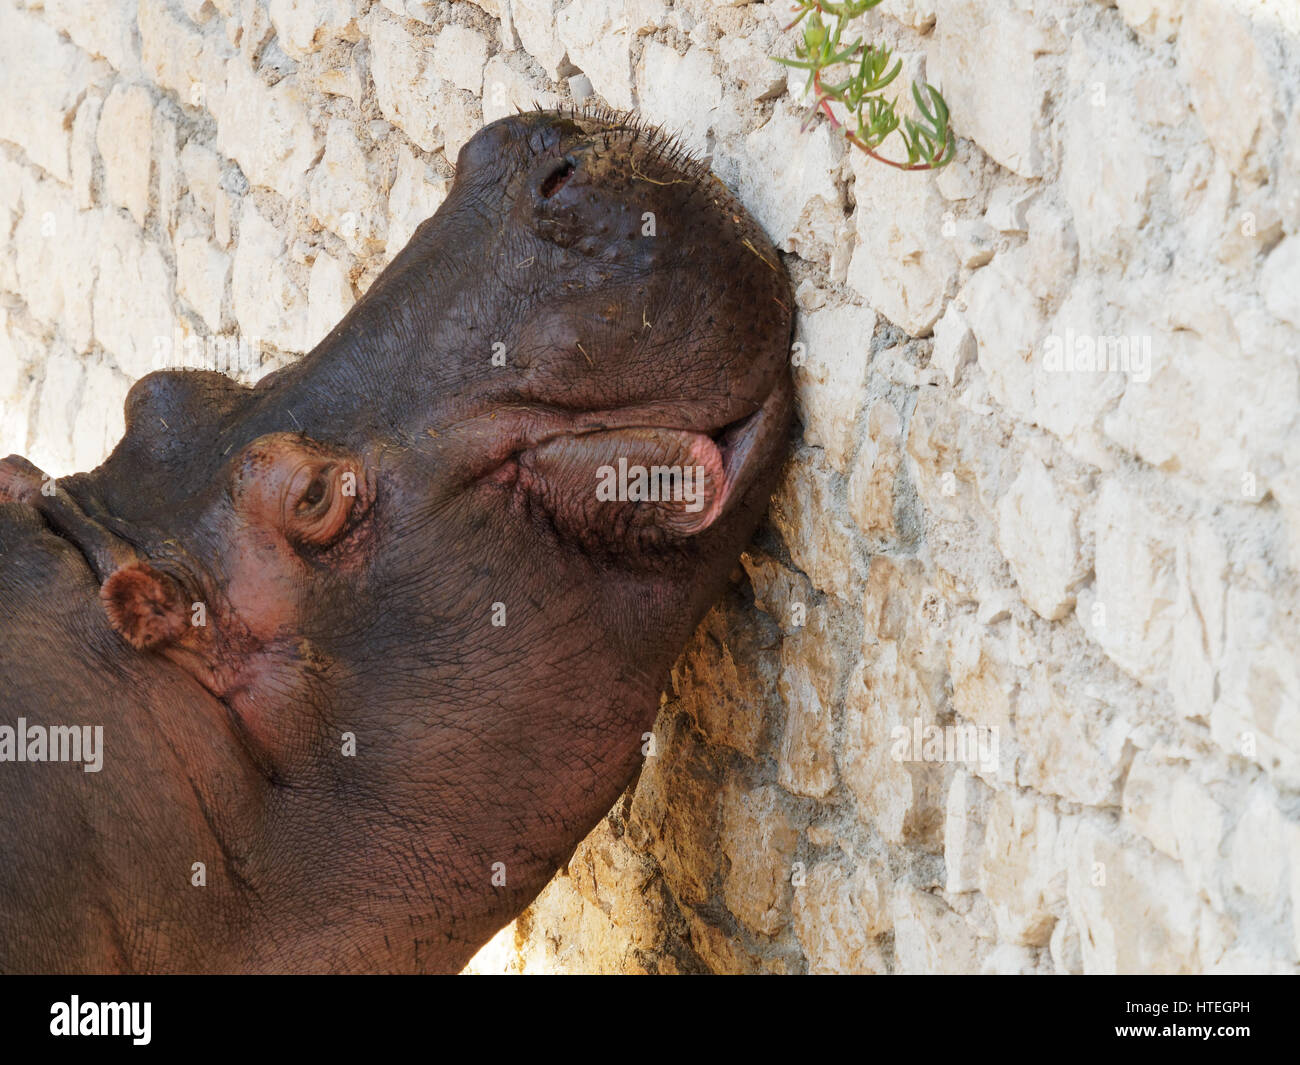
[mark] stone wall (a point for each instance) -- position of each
(1010, 681)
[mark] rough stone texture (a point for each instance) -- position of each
(124, 138)
(1047, 482)
(267, 131)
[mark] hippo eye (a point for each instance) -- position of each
(315, 493)
(315, 497)
(318, 507)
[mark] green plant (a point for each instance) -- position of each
(928, 137)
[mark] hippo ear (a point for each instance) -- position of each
(144, 605)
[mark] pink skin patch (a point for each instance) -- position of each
(672, 478)
(597, 474)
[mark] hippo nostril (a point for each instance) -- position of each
(555, 180)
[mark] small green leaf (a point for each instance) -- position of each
(866, 71)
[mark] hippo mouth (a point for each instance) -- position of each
(638, 472)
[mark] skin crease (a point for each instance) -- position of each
(349, 526)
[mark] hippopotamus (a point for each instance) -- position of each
(375, 642)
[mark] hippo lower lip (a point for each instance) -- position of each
(612, 486)
(727, 453)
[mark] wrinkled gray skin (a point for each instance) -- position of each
(350, 526)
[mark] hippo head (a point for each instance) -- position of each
(475, 526)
